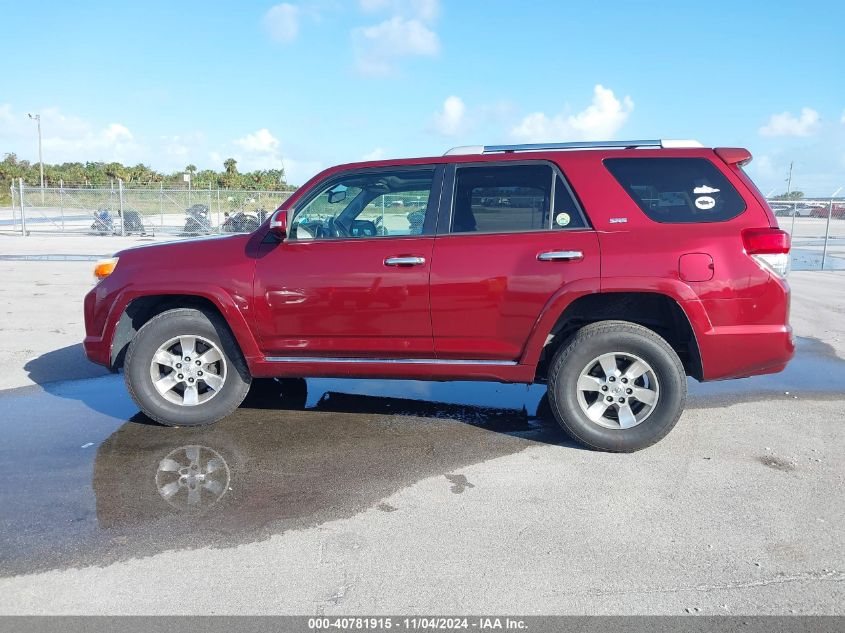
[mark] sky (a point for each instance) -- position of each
(306, 84)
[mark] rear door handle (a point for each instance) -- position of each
(560, 256)
(404, 261)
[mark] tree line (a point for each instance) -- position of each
(99, 174)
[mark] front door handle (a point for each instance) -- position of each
(560, 256)
(404, 261)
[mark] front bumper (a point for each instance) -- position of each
(97, 344)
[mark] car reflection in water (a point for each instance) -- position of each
(275, 465)
(192, 477)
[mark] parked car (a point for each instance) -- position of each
(798, 209)
(823, 210)
(643, 263)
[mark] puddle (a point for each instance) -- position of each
(89, 481)
(86, 483)
(803, 259)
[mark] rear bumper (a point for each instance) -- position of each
(745, 350)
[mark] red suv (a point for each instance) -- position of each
(609, 270)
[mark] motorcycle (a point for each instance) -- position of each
(197, 220)
(133, 222)
(103, 222)
(242, 222)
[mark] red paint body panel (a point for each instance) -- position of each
(480, 297)
(338, 298)
(217, 269)
(695, 267)
(488, 290)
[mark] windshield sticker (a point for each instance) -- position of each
(704, 189)
(705, 202)
(562, 219)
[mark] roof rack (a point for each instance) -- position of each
(535, 147)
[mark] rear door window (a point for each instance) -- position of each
(512, 198)
(677, 190)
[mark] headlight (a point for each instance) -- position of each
(104, 268)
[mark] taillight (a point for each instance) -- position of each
(769, 248)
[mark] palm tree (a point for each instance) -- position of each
(191, 169)
(115, 171)
(139, 173)
(231, 166)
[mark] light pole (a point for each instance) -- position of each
(827, 229)
(795, 206)
(37, 119)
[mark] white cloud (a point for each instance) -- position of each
(282, 22)
(601, 120)
(406, 33)
(450, 121)
(67, 138)
(115, 133)
(262, 150)
(182, 147)
(842, 120)
(297, 172)
(260, 142)
(7, 119)
(786, 124)
(426, 10)
(376, 154)
(378, 47)
(764, 168)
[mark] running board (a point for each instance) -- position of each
(396, 361)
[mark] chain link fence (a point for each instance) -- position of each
(118, 210)
(817, 225)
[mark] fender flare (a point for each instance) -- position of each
(674, 289)
(235, 310)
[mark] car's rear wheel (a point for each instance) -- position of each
(617, 386)
(184, 368)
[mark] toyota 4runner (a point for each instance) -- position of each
(611, 271)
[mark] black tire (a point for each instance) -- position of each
(185, 322)
(607, 337)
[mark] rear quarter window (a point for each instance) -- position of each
(677, 190)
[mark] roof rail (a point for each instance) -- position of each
(535, 147)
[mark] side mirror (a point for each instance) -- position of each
(279, 224)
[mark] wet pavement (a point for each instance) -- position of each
(88, 481)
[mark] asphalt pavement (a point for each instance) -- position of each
(398, 497)
(403, 497)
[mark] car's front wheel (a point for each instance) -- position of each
(617, 386)
(184, 368)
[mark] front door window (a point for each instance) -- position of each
(372, 204)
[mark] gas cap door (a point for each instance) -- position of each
(695, 267)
